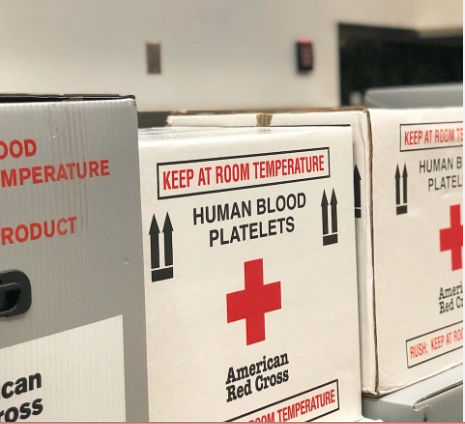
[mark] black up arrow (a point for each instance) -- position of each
(329, 238)
(357, 193)
(401, 206)
(168, 232)
(154, 244)
(159, 274)
(404, 179)
(324, 213)
(334, 213)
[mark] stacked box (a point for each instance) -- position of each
(72, 321)
(408, 205)
(249, 250)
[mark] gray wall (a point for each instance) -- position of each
(215, 53)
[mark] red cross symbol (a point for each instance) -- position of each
(452, 238)
(254, 302)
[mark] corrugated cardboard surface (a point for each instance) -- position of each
(362, 156)
(192, 346)
(94, 273)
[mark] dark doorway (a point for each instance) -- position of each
(372, 57)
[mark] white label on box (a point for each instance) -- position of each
(188, 178)
(307, 406)
(430, 136)
(77, 375)
(436, 343)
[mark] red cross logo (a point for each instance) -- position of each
(254, 302)
(452, 238)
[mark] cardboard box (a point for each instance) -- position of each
(408, 200)
(72, 321)
(250, 275)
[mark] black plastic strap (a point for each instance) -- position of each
(15, 293)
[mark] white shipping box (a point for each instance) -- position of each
(408, 200)
(251, 292)
(72, 305)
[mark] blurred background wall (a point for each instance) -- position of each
(215, 54)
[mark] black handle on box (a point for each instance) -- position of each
(15, 293)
